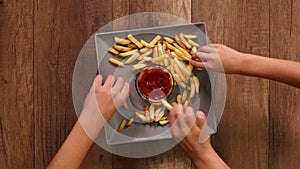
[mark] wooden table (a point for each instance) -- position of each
(39, 44)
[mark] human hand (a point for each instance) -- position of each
(106, 98)
(217, 57)
(187, 128)
(111, 95)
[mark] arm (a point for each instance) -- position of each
(193, 137)
(224, 59)
(99, 106)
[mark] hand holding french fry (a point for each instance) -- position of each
(218, 58)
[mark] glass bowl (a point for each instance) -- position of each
(154, 83)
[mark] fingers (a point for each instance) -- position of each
(109, 81)
(200, 119)
(189, 117)
(118, 85)
(206, 49)
(98, 80)
(125, 91)
(198, 64)
(203, 56)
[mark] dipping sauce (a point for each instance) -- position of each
(154, 83)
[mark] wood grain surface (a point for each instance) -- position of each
(16, 85)
(284, 100)
(243, 130)
(39, 44)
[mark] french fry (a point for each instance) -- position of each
(146, 108)
(132, 45)
(181, 36)
(122, 41)
(179, 98)
(178, 81)
(169, 46)
(184, 96)
(141, 117)
(132, 58)
(151, 111)
(194, 44)
(147, 114)
(182, 67)
(125, 105)
(149, 52)
(186, 103)
(160, 49)
(192, 92)
(156, 113)
(143, 50)
(113, 51)
(159, 116)
(179, 42)
(138, 66)
(122, 48)
(163, 118)
(144, 43)
(133, 40)
(129, 123)
(166, 62)
(155, 40)
(197, 84)
(179, 73)
(190, 67)
(155, 52)
(163, 122)
(174, 103)
(116, 62)
(180, 55)
(160, 58)
(143, 61)
(148, 59)
(166, 104)
(194, 50)
(190, 36)
(183, 51)
(128, 53)
(169, 40)
(122, 125)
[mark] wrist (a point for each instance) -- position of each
(92, 123)
(242, 63)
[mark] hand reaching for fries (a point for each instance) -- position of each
(187, 128)
(217, 57)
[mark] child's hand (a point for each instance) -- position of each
(187, 130)
(105, 99)
(194, 138)
(217, 57)
(111, 95)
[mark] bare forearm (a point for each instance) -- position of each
(274, 69)
(74, 149)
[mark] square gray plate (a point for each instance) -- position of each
(141, 132)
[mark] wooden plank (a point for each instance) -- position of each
(284, 100)
(96, 14)
(174, 158)
(61, 28)
(16, 84)
(242, 138)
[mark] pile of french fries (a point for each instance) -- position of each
(168, 52)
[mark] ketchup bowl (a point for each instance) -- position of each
(154, 83)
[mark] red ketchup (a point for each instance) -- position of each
(154, 83)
